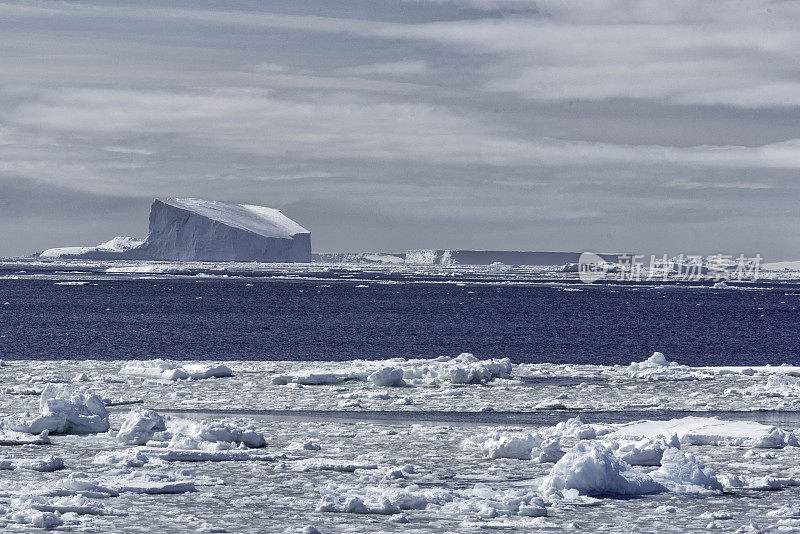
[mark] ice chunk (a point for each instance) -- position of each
(64, 410)
(35, 518)
(480, 501)
(463, 369)
(682, 472)
(593, 469)
(139, 426)
(522, 446)
(387, 376)
(575, 428)
(126, 458)
(45, 465)
(13, 437)
(189, 430)
(77, 504)
(329, 464)
(150, 484)
(657, 367)
(787, 510)
(777, 385)
(647, 451)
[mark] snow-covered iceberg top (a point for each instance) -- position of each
(463, 369)
(168, 370)
(261, 220)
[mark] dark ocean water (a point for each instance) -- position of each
(223, 319)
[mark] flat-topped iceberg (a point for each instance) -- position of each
(191, 229)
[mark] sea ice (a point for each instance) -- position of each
(522, 446)
(657, 367)
(167, 370)
(593, 469)
(709, 431)
(139, 426)
(682, 472)
(647, 451)
(63, 410)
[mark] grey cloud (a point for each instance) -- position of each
(388, 125)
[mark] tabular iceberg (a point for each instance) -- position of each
(190, 229)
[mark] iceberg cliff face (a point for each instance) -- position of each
(188, 229)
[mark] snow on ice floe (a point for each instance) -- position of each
(167, 370)
(695, 430)
(463, 369)
(63, 409)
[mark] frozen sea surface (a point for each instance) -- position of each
(461, 445)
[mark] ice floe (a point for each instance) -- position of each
(167, 370)
(463, 369)
(45, 465)
(695, 430)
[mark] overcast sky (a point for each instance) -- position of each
(386, 125)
